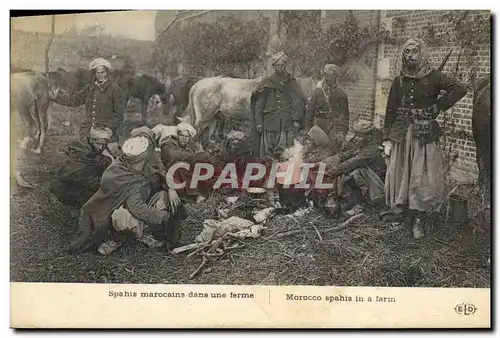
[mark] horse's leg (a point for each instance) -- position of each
(200, 130)
(144, 112)
(27, 122)
(212, 126)
(222, 121)
(43, 124)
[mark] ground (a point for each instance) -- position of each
(367, 253)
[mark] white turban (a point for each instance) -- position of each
(135, 147)
(101, 133)
(99, 62)
(331, 68)
(184, 126)
(235, 135)
(164, 132)
(281, 56)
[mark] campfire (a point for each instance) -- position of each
(290, 174)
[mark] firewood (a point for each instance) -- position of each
(188, 247)
(345, 224)
(203, 263)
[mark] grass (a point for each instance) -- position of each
(368, 253)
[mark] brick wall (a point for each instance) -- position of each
(406, 24)
(359, 81)
(364, 75)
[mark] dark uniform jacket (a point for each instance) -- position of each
(359, 153)
(414, 96)
(336, 117)
(79, 174)
(104, 105)
(279, 101)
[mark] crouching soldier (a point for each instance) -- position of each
(182, 148)
(129, 183)
(79, 174)
(359, 167)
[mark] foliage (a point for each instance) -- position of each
(92, 41)
(211, 45)
(469, 30)
(339, 44)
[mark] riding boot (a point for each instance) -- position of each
(409, 219)
(418, 226)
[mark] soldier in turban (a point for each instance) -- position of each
(81, 168)
(328, 107)
(415, 182)
(278, 108)
(103, 99)
(359, 167)
(182, 148)
(129, 190)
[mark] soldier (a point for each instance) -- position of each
(328, 107)
(278, 109)
(104, 101)
(415, 182)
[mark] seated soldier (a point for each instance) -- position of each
(359, 167)
(182, 148)
(129, 183)
(79, 174)
(317, 145)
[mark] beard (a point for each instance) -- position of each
(410, 64)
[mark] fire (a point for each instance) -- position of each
(294, 157)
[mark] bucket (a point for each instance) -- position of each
(457, 210)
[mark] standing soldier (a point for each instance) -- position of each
(415, 182)
(278, 109)
(105, 105)
(328, 107)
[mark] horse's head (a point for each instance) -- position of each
(62, 80)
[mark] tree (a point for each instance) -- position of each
(47, 49)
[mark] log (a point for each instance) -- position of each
(345, 224)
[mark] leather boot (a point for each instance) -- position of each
(409, 219)
(418, 227)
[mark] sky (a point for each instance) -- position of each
(133, 24)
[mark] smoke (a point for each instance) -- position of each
(294, 154)
(293, 158)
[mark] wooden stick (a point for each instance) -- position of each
(203, 263)
(345, 224)
(198, 250)
(217, 243)
(188, 247)
(317, 232)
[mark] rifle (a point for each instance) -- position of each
(441, 66)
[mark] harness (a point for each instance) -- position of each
(421, 118)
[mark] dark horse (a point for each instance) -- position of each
(481, 131)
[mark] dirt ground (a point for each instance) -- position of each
(369, 253)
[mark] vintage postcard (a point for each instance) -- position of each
(251, 169)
